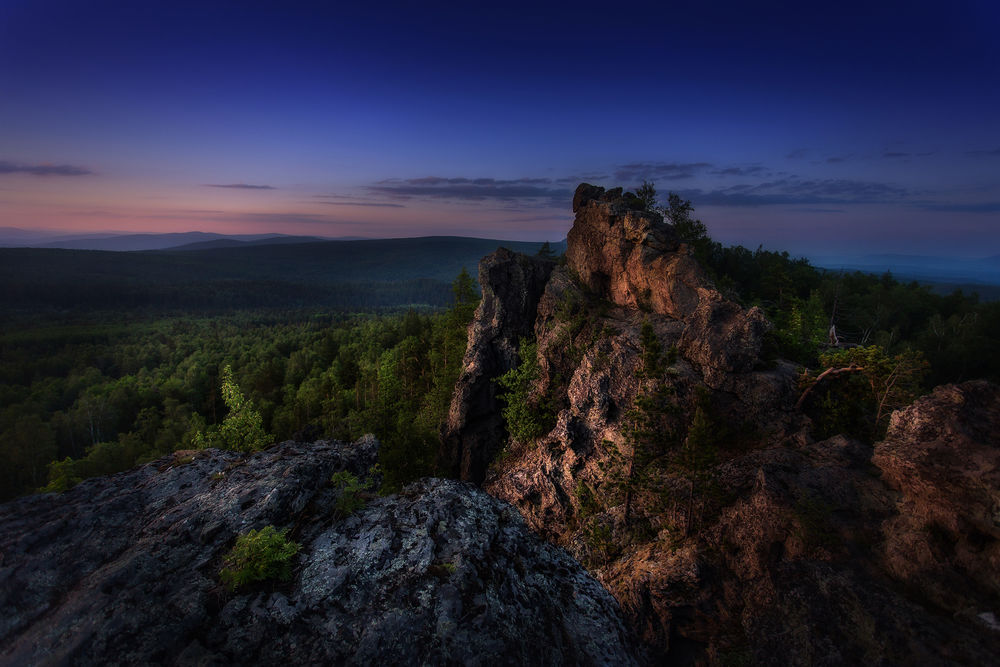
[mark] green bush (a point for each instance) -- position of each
(258, 556)
(526, 419)
(350, 499)
(243, 428)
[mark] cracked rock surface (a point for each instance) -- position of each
(124, 569)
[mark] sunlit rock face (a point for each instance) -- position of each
(125, 570)
(774, 550)
(633, 258)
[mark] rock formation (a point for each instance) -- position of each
(674, 465)
(125, 570)
(512, 284)
(753, 544)
(634, 259)
(942, 454)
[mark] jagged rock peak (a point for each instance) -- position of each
(631, 256)
(125, 570)
(512, 285)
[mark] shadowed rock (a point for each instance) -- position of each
(771, 548)
(512, 285)
(124, 570)
(943, 455)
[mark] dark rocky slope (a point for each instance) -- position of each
(761, 546)
(124, 570)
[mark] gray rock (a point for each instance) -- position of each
(512, 285)
(124, 570)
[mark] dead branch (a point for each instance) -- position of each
(829, 372)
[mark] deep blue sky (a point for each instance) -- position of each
(813, 128)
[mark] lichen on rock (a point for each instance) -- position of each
(125, 570)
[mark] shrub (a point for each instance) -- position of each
(588, 503)
(860, 403)
(350, 499)
(258, 556)
(526, 419)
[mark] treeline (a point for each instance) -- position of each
(87, 294)
(955, 333)
(101, 397)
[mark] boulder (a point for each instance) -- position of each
(125, 570)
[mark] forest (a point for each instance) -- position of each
(121, 378)
(84, 398)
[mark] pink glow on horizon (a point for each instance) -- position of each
(91, 205)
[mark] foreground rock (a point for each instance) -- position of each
(124, 569)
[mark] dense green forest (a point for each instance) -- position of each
(101, 396)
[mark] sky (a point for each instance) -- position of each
(852, 127)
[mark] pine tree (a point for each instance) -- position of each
(243, 428)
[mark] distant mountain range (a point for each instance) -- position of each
(13, 237)
(227, 273)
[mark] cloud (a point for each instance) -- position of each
(291, 217)
(354, 200)
(43, 169)
(363, 203)
(240, 186)
(993, 153)
(816, 209)
(473, 189)
(591, 177)
(659, 171)
(950, 207)
(800, 192)
(755, 170)
(798, 154)
(902, 154)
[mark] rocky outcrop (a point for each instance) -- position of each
(676, 467)
(789, 554)
(631, 256)
(627, 257)
(512, 285)
(942, 454)
(124, 570)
